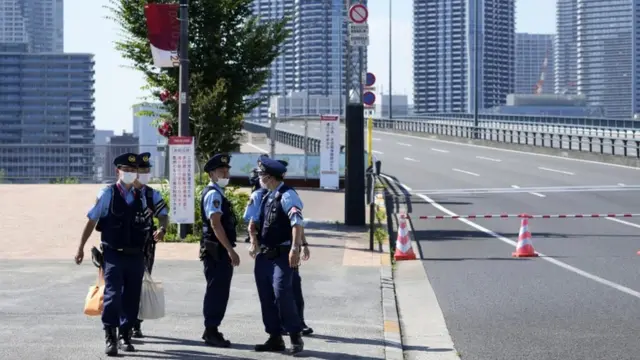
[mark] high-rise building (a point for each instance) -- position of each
(445, 67)
(34, 26)
(565, 49)
(532, 52)
(313, 57)
(46, 116)
(144, 115)
(101, 141)
(607, 55)
(117, 145)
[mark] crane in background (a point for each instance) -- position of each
(538, 86)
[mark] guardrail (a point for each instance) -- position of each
(623, 145)
(287, 137)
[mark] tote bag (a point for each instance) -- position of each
(151, 299)
(94, 301)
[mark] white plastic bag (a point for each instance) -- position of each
(151, 299)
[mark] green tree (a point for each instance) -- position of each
(230, 53)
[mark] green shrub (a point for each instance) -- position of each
(239, 199)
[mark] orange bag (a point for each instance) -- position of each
(95, 298)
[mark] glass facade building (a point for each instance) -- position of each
(313, 57)
(532, 50)
(444, 48)
(32, 25)
(46, 116)
(565, 49)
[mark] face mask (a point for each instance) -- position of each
(144, 178)
(222, 182)
(127, 177)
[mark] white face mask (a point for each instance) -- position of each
(262, 185)
(144, 178)
(222, 182)
(128, 177)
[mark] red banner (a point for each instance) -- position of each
(163, 32)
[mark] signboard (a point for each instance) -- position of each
(370, 79)
(182, 157)
(359, 34)
(330, 152)
(358, 14)
(368, 98)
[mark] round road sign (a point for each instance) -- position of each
(368, 98)
(371, 79)
(358, 14)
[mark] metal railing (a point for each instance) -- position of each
(290, 138)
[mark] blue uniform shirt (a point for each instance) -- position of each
(158, 202)
(290, 202)
(101, 208)
(252, 212)
(213, 201)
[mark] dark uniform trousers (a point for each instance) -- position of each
(123, 283)
(297, 293)
(274, 280)
(218, 274)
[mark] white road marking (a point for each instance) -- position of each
(257, 147)
(624, 222)
(509, 150)
(556, 171)
(375, 139)
(404, 144)
(621, 184)
(410, 159)
(466, 172)
(487, 158)
(440, 150)
(544, 257)
(377, 152)
(532, 193)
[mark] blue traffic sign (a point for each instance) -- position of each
(368, 98)
(371, 79)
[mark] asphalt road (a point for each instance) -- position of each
(580, 301)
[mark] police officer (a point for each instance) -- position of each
(280, 225)
(156, 207)
(217, 248)
(251, 216)
(118, 215)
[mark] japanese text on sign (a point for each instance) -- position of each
(182, 181)
(330, 152)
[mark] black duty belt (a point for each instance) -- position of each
(272, 252)
(123, 250)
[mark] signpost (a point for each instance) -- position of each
(182, 179)
(330, 152)
(369, 98)
(370, 79)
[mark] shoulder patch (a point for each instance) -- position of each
(216, 203)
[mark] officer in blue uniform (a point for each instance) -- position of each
(280, 226)
(252, 216)
(156, 207)
(217, 248)
(118, 215)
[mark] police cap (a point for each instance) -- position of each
(271, 167)
(126, 159)
(283, 162)
(144, 160)
(217, 161)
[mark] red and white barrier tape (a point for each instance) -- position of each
(522, 216)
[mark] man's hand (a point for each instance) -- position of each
(235, 259)
(79, 256)
(252, 227)
(253, 250)
(294, 258)
(306, 254)
(158, 235)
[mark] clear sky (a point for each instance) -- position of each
(117, 88)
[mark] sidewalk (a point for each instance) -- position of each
(45, 294)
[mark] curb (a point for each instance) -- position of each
(393, 348)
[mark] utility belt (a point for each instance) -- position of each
(213, 250)
(122, 250)
(273, 252)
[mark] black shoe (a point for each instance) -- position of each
(213, 337)
(125, 342)
(136, 332)
(297, 345)
(111, 342)
(273, 344)
(307, 331)
(284, 332)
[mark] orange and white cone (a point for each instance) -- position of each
(524, 248)
(404, 251)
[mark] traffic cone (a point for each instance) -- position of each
(404, 251)
(524, 248)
